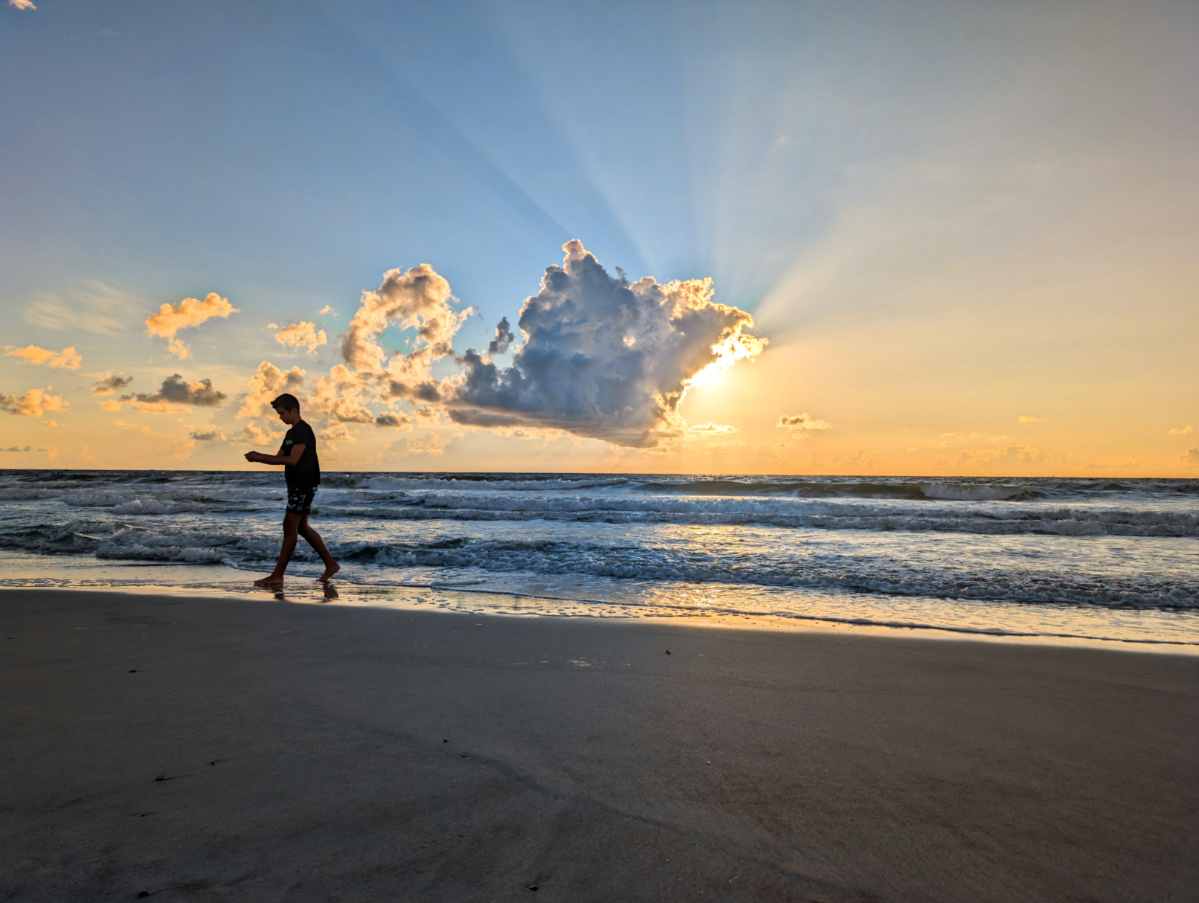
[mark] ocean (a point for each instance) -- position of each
(1056, 560)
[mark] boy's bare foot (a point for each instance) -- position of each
(270, 580)
(329, 571)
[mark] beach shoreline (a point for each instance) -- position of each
(243, 748)
(1175, 633)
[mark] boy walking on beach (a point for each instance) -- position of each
(303, 472)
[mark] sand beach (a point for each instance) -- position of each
(249, 749)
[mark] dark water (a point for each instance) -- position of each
(1044, 557)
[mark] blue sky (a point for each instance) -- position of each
(838, 170)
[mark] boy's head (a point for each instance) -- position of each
(287, 406)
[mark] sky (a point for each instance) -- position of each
(682, 237)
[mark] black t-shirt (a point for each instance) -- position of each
(307, 471)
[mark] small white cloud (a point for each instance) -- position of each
(21, 4)
(33, 403)
(209, 435)
(1183, 431)
(267, 384)
(300, 335)
(68, 358)
(187, 314)
(1025, 418)
(327, 311)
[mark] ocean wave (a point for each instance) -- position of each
(971, 492)
(401, 483)
(819, 489)
(823, 566)
(869, 576)
(785, 513)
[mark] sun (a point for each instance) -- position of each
(728, 351)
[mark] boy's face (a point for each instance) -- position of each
(291, 418)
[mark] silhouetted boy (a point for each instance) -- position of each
(303, 472)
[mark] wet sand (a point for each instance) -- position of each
(246, 749)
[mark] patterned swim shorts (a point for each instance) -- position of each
(299, 499)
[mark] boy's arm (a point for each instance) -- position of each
(290, 459)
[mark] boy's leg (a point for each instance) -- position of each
(314, 539)
(291, 525)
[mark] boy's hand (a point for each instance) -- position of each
(253, 456)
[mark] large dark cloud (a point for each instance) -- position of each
(603, 357)
(598, 356)
(175, 391)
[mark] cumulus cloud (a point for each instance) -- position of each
(33, 403)
(267, 384)
(604, 358)
(110, 404)
(68, 358)
(1024, 418)
(110, 383)
(300, 336)
(175, 393)
(418, 299)
(712, 429)
(804, 421)
(21, 4)
(339, 397)
(599, 357)
(503, 338)
(326, 311)
(209, 435)
(1183, 431)
(188, 313)
(1191, 456)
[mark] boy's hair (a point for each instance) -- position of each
(286, 402)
